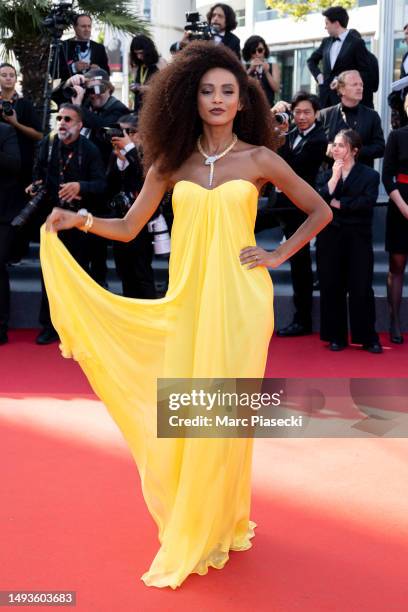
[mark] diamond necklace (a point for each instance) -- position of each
(211, 159)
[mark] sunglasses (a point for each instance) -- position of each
(130, 131)
(65, 118)
(260, 50)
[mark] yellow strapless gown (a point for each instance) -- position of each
(216, 320)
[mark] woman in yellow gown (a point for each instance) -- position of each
(216, 319)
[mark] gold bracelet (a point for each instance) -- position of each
(88, 223)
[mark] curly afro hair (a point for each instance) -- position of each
(169, 121)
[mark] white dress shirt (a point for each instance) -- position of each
(336, 48)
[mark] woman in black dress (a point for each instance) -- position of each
(395, 179)
(345, 249)
(255, 54)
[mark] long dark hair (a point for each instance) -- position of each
(169, 121)
(251, 45)
(230, 17)
(143, 43)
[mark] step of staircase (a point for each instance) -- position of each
(26, 288)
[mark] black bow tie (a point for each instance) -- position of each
(336, 38)
(301, 134)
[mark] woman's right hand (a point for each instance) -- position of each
(337, 168)
(61, 219)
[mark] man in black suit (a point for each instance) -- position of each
(341, 50)
(81, 53)
(222, 20)
(304, 150)
(351, 113)
(10, 204)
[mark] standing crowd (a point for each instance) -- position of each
(92, 161)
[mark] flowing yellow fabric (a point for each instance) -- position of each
(215, 321)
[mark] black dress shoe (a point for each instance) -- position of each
(48, 335)
(3, 336)
(337, 346)
(294, 329)
(396, 338)
(373, 347)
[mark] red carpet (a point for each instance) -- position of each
(332, 513)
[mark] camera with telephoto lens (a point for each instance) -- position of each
(107, 133)
(283, 117)
(121, 203)
(69, 93)
(161, 237)
(199, 30)
(31, 207)
(6, 108)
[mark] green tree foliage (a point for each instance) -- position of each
(21, 32)
(299, 9)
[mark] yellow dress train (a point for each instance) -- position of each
(215, 321)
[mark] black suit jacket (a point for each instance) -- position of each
(368, 125)
(107, 116)
(68, 57)
(232, 42)
(353, 56)
(357, 195)
(306, 158)
(10, 200)
(86, 167)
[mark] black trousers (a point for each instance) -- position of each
(77, 244)
(134, 266)
(301, 274)
(98, 253)
(300, 264)
(6, 241)
(345, 267)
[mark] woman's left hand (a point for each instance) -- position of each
(255, 256)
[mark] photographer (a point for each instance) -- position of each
(125, 180)
(71, 172)
(10, 203)
(80, 53)
(21, 115)
(304, 150)
(256, 57)
(221, 20)
(145, 61)
(100, 109)
(93, 91)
